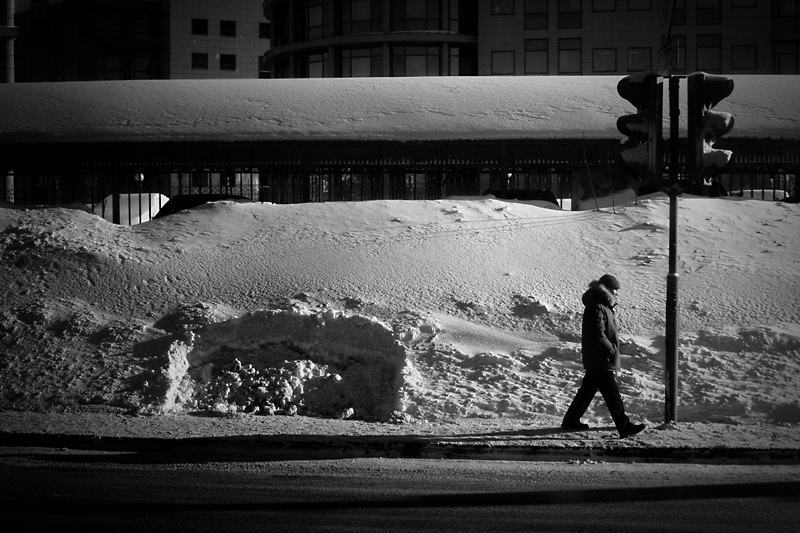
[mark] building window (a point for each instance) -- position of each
(227, 28)
(146, 27)
(536, 51)
(455, 61)
(110, 67)
(744, 3)
(282, 33)
(604, 60)
(415, 61)
(503, 63)
(199, 61)
(263, 30)
(639, 59)
(463, 61)
(744, 57)
(455, 17)
(569, 56)
(536, 15)
(144, 66)
(502, 7)
(709, 53)
(639, 5)
(227, 62)
(604, 5)
(315, 65)
(113, 28)
(39, 11)
(199, 26)
(361, 16)
(362, 62)
(679, 13)
(315, 19)
(417, 15)
(785, 16)
(786, 57)
(681, 53)
(709, 12)
(569, 14)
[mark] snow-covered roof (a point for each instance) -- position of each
(432, 108)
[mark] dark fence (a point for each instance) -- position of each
(131, 183)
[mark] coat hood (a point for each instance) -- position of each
(599, 294)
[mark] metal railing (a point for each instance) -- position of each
(128, 192)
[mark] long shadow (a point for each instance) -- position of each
(551, 433)
(787, 490)
(261, 448)
(251, 448)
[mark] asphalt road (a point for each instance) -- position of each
(63, 490)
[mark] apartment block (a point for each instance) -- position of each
(343, 38)
(83, 40)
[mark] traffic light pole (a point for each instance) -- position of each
(671, 337)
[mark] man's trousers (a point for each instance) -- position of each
(606, 383)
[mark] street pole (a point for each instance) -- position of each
(671, 348)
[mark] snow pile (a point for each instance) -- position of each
(446, 310)
(295, 361)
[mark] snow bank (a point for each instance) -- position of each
(434, 310)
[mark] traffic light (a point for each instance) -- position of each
(641, 153)
(705, 126)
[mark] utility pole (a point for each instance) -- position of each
(668, 63)
(671, 337)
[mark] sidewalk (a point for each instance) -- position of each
(192, 438)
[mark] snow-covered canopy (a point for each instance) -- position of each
(432, 108)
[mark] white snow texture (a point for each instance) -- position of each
(396, 310)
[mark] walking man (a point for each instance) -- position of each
(601, 358)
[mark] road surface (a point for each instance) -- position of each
(65, 490)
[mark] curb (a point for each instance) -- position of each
(293, 447)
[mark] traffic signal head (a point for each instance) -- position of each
(636, 89)
(716, 124)
(641, 155)
(713, 88)
(706, 126)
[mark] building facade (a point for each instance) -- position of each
(348, 38)
(87, 40)
(372, 38)
(213, 39)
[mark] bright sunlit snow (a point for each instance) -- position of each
(454, 309)
(451, 310)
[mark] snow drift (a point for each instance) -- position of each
(396, 310)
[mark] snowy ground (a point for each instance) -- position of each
(431, 313)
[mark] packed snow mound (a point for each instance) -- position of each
(294, 361)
